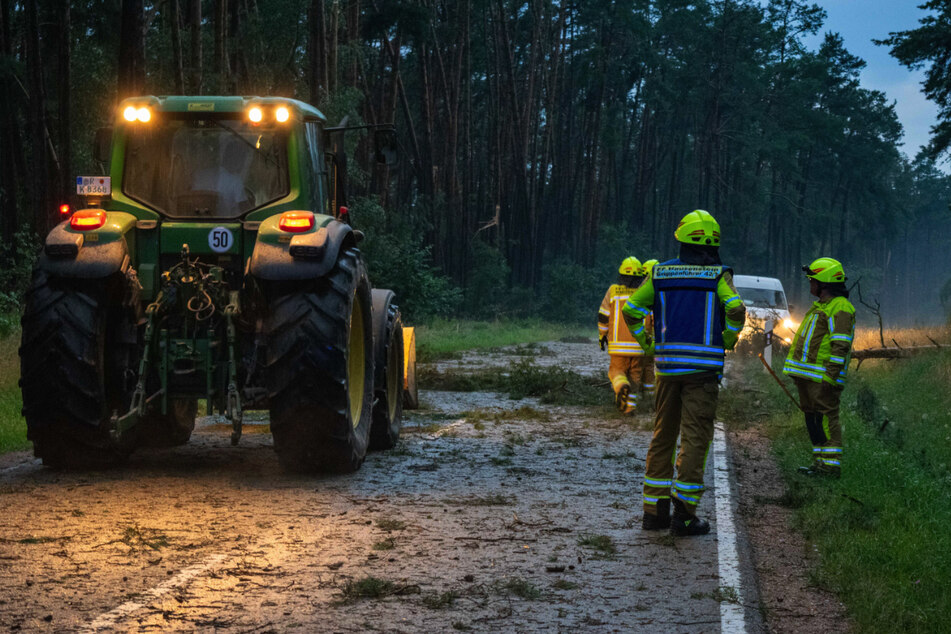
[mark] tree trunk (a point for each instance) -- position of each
(332, 48)
(353, 41)
(64, 96)
(195, 78)
(175, 26)
(222, 69)
(240, 75)
(43, 214)
(317, 51)
(11, 148)
(131, 50)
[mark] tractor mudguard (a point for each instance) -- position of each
(279, 255)
(88, 254)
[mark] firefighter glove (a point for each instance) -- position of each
(729, 339)
(604, 342)
(649, 347)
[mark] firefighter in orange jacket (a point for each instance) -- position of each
(630, 370)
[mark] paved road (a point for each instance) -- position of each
(492, 515)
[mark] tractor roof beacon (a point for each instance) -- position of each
(215, 261)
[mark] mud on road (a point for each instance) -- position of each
(490, 515)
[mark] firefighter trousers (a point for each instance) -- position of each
(820, 406)
(637, 373)
(686, 407)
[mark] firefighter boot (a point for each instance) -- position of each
(686, 524)
(818, 437)
(621, 399)
(660, 520)
(820, 469)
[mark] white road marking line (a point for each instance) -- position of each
(732, 616)
(22, 465)
(109, 619)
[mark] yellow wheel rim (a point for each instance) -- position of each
(356, 362)
(393, 380)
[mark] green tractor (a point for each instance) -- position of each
(216, 262)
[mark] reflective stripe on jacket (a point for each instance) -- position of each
(822, 347)
(693, 305)
(611, 323)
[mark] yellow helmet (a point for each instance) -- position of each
(648, 267)
(630, 266)
(698, 227)
(825, 270)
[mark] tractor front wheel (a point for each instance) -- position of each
(388, 384)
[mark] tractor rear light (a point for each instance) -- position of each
(65, 210)
(87, 219)
(296, 221)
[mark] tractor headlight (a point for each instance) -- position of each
(140, 113)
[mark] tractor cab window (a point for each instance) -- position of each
(194, 167)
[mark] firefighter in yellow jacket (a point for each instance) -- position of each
(818, 360)
(630, 370)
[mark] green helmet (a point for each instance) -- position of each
(825, 270)
(698, 227)
(630, 266)
(648, 267)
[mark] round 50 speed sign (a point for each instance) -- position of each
(220, 239)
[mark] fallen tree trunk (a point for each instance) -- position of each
(891, 353)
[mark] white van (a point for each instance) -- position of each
(765, 300)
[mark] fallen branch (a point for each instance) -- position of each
(514, 538)
(890, 353)
(852, 499)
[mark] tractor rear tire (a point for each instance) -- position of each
(77, 358)
(388, 382)
(172, 429)
(320, 369)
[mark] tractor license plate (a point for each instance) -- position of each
(94, 185)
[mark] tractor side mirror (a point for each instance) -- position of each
(102, 146)
(385, 146)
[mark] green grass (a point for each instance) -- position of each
(444, 338)
(12, 424)
(389, 524)
(601, 543)
(522, 588)
(883, 532)
(523, 378)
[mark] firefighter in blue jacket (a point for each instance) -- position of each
(697, 315)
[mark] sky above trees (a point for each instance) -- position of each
(861, 21)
